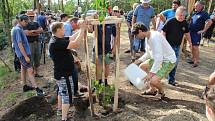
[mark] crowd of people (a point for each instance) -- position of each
(158, 49)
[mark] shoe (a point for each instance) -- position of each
(37, 75)
(127, 51)
(190, 62)
(173, 83)
(59, 112)
(149, 93)
(27, 88)
(160, 95)
(40, 92)
(77, 94)
(195, 65)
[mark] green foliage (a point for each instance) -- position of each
(106, 92)
(69, 7)
(102, 7)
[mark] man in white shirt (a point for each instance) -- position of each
(158, 60)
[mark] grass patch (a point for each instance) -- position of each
(6, 77)
(3, 70)
(10, 98)
(30, 94)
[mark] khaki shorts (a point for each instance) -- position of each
(165, 69)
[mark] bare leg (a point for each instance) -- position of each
(156, 82)
(23, 75)
(195, 51)
(31, 77)
(59, 103)
(145, 67)
(65, 109)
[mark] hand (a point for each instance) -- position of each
(82, 24)
(27, 59)
(137, 62)
(201, 31)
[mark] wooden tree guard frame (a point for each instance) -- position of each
(95, 22)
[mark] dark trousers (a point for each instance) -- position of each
(75, 79)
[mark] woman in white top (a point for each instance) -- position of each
(158, 60)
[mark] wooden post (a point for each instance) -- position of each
(115, 106)
(62, 7)
(96, 48)
(88, 72)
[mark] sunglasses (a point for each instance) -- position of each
(116, 11)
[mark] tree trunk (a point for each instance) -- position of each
(62, 6)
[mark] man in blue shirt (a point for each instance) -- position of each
(23, 52)
(144, 13)
(41, 19)
(200, 22)
(170, 13)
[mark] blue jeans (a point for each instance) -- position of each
(75, 79)
(171, 77)
(138, 45)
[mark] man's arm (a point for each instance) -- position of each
(77, 37)
(208, 23)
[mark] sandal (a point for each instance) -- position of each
(149, 93)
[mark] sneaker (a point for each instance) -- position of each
(127, 51)
(77, 94)
(173, 83)
(27, 88)
(40, 92)
(59, 112)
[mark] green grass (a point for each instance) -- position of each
(3, 70)
(10, 98)
(30, 94)
(6, 77)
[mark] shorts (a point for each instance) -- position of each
(107, 59)
(66, 89)
(24, 63)
(164, 70)
(195, 38)
(35, 53)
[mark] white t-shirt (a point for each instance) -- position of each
(158, 49)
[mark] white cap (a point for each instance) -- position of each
(145, 1)
(115, 8)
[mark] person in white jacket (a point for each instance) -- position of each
(158, 60)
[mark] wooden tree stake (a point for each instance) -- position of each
(116, 96)
(88, 72)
